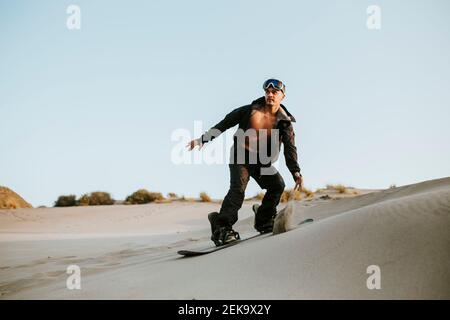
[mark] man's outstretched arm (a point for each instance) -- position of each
(229, 121)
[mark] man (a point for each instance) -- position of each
(262, 120)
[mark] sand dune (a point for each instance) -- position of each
(129, 252)
(11, 200)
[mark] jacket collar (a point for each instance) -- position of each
(282, 113)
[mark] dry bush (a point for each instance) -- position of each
(259, 196)
(287, 194)
(187, 199)
(204, 197)
(97, 198)
(143, 196)
(338, 187)
(83, 200)
(308, 193)
(66, 201)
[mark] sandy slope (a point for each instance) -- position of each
(404, 231)
(11, 200)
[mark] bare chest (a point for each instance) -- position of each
(260, 120)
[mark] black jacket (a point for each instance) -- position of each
(242, 115)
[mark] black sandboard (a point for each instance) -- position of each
(199, 252)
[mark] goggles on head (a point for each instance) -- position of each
(274, 83)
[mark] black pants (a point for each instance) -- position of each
(239, 176)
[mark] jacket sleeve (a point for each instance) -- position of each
(290, 150)
(229, 121)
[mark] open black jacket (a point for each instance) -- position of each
(242, 115)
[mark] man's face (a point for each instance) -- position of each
(274, 96)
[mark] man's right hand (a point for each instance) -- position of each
(191, 145)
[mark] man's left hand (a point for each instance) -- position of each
(298, 183)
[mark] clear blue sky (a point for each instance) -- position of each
(94, 109)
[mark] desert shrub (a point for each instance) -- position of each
(143, 196)
(338, 187)
(83, 200)
(172, 195)
(260, 196)
(66, 201)
(188, 199)
(308, 193)
(286, 195)
(204, 197)
(97, 198)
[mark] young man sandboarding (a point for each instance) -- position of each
(263, 126)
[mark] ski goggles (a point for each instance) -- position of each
(274, 83)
